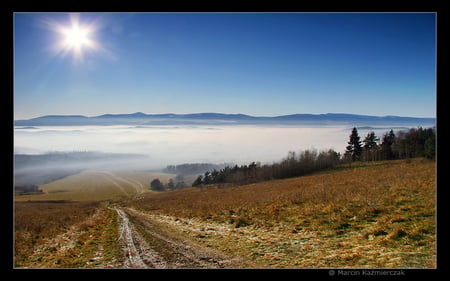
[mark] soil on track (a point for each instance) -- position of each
(147, 246)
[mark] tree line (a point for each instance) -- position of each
(406, 144)
(295, 164)
(418, 142)
(192, 168)
(412, 143)
(157, 185)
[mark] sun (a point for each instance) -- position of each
(76, 38)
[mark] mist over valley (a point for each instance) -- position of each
(45, 152)
(225, 140)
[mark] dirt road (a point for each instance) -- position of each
(146, 246)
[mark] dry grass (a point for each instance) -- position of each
(65, 235)
(97, 185)
(380, 214)
(36, 222)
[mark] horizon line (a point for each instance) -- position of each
(193, 113)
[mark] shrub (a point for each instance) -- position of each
(156, 185)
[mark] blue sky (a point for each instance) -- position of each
(262, 64)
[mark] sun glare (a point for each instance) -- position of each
(76, 38)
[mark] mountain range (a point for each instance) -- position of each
(143, 119)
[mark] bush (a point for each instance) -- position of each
(156, 185)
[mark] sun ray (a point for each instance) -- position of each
(76, 38)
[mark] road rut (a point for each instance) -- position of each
(146, 246)
(117, 181)
(137, 252)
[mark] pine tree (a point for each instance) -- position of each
(354, 145)
(198, 181)
(386, 145)
(370, 146)
(430, 145)
(370, 141)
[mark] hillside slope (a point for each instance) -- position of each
(373, 215)
(380, 214)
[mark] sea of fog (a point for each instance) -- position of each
(171, 145)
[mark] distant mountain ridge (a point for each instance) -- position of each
(139, 118)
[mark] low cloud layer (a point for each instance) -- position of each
(164, 145)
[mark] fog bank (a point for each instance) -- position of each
(168, 145)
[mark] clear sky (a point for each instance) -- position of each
(262, 64)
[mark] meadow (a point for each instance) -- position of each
(378, 214)
(97, 185)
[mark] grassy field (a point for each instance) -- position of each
(62, 234)
(379, 214)
(374, 215)
(97, 185)
(67, 226)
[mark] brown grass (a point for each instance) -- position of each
(34, 222)
(65, 234)
(380, 214)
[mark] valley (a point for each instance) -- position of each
(225, 140)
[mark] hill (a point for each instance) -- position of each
(36, 169)
(363, 215)
(380, 214)
(140, 118)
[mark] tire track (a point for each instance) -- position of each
(137, 253)
(116, 184)
(115, 179)
(160, 250)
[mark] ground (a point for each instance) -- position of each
(363, 215)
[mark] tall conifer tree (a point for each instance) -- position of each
(370, 146)
(354, 145)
